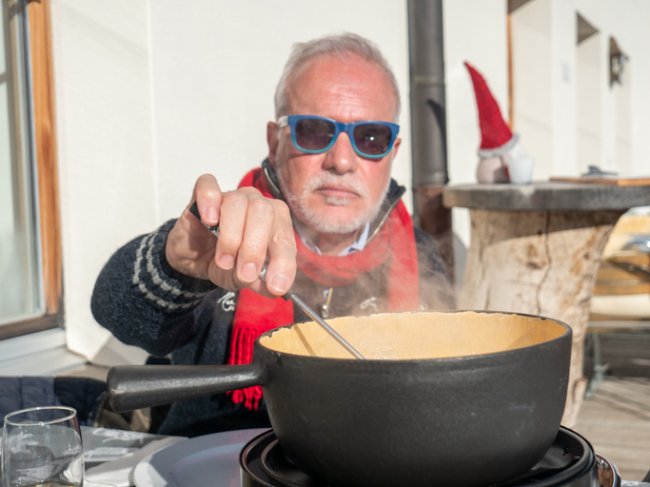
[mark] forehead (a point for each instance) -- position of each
(347, 86)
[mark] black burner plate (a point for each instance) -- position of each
(569, 462)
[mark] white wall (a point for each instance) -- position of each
(563, 32)
(108, 174)
(533, 81)
(619, 152)
(571, 116)
(150, 94)
(475, 31)
(589, 101)
(215, 67)
(628, 21)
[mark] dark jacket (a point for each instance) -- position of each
(85, 395)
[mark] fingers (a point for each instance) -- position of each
(208, 197)
(282, 264)
(189, 248)
(254, 231)
(246, 219)
(268, 232)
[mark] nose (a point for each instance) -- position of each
(341, 157)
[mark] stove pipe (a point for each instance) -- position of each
(428, 122)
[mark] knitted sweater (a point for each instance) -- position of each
(143, 301)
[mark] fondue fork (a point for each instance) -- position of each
(214, 230)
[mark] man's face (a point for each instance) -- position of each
(336, 191)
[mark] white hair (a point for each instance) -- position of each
(341, 45)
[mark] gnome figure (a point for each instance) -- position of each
(501, 156)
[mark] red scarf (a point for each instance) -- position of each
(255, 314)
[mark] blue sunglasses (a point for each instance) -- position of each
(314, 135)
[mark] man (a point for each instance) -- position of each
(322, 215)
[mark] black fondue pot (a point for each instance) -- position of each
(458, 398)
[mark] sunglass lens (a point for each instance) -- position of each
(372, 138)
(314, 133)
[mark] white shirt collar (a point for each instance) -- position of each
(356, 246)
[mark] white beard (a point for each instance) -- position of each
(321, 221)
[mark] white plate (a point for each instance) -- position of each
(205, 460)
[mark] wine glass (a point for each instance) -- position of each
(41, 447)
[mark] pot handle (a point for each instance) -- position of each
(139, 386)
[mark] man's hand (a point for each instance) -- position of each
(253, 230)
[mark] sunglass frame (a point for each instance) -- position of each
(348, 128)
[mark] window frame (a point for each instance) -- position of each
(38, 20)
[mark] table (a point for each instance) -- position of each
(150, 442)
(110, 454)
(536, 248)
(94, 438)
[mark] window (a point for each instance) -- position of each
(30, 263)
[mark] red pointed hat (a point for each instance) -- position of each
(494, 130)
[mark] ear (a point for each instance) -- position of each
(272, 140)
(398, 141)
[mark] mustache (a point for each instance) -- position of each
(344, 182)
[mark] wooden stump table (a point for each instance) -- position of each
(536, 249)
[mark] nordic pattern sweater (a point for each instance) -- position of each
(146, 303)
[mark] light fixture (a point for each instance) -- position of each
(617, 61)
